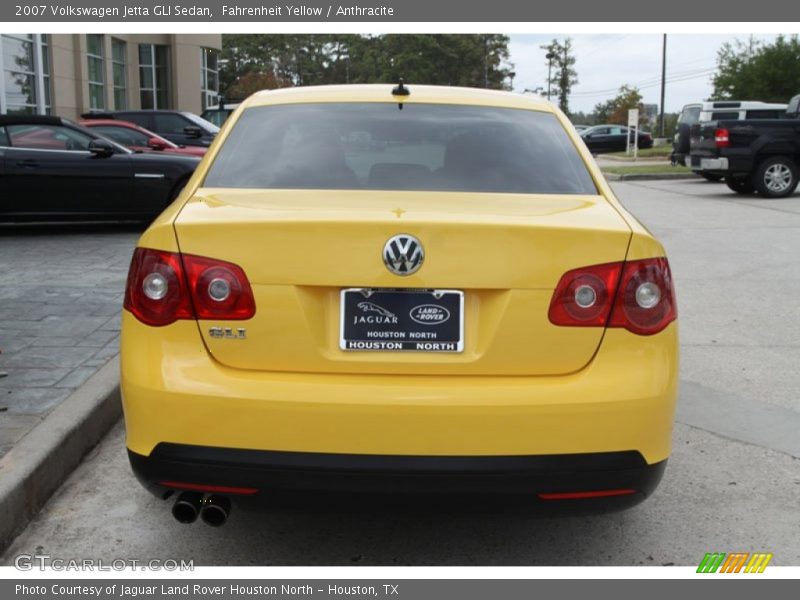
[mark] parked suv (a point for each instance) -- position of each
(730, 110)
(179, 127)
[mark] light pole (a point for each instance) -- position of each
(549, 56)
(663, 80)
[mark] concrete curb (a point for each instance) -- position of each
(664, 160)
(40, 462)
(648, 176)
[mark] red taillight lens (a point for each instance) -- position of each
(584, 495)
(220, 290)
(640, 293)
(584, 296)
(722, 137)
(156, 291)
(645, 302)
(164, 287)
(212, 489)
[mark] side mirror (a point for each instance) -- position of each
(156, 144)
(101, 148)
(193, 131)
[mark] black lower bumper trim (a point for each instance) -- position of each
(306, 472)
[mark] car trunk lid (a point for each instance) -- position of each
(301, 248)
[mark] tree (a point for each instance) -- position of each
(252, 82)
(563, 76)
(279, 60)
(758, 71)
(616, 109)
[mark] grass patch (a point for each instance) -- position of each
(654, 152)
(631, 170)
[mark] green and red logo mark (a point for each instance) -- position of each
(734, 562)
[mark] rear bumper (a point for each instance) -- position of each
(259, 473)
(186, 414)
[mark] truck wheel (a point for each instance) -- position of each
(776, 177)
(740, 186)
(711, 177)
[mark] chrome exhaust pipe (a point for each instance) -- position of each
(215, 510)
(187, 507)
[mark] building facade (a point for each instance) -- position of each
(68, 74)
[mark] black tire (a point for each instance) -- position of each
(776, 177)
(740, 186)
(711, 177)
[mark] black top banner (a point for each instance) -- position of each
(464, 11)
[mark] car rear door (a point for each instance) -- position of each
(617, 139)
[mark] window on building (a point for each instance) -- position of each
(154, 76)
(96, 75)
(209, 77)
(25, 81)
(118, 64)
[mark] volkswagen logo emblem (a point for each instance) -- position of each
(403, 254)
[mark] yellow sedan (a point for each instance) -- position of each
(398, 289)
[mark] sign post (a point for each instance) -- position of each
(633, 125)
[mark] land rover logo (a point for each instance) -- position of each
(429, 314)
(403, 254)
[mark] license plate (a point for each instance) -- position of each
(381, 320)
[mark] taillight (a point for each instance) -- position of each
(220, 290)
(636, 295)
(722, 138)
(645, 301)
(156, 291)
(164, 287)
(584, 296)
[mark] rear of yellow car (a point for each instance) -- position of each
(364, 291)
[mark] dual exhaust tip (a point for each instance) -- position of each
(211, 508)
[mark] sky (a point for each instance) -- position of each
(607, 61)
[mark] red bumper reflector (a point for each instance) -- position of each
(216, 489)
(578, 495)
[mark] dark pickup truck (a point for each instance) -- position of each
(753, 156)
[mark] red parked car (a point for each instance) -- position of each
(138, 138)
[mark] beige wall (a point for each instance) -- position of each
(70, 79)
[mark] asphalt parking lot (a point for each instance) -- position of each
(733, 482)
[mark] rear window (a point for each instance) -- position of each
(725, 116)
(375, 146)
(764, 114)
(690, 115)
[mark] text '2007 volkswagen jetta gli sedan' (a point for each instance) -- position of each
(398, 289)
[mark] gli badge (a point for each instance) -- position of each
(429, 314)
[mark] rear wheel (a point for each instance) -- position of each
(776, 177)
(740, 186)
(711, 177)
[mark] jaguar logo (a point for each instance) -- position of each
(382, 315)
(429, 314)
(372, 307)
(403, 254)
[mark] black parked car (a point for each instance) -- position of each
(52, 169)
(612, 138)
(179, 127)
